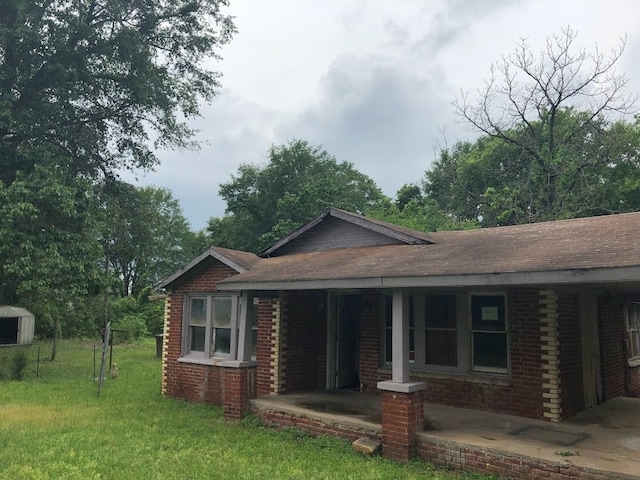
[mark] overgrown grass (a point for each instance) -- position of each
(57, 427)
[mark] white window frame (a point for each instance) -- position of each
(632, 317)
(208, 355)
(464, 333)
(505, 332)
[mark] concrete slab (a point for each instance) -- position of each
(605, 438)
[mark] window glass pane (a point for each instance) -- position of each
(488, 313)
(442, 312)
(221, 341)
(197, 339)
(490, 350)
(254, 342)
(442, 347)
(388, 305)
(198, 312)
(387, 343)
(633, 315)
(222, 312)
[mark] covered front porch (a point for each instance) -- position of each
(602, 442)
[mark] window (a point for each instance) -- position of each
(633, 330)
(441, 331)
(488, 334)
(211, 319)
(457, 333)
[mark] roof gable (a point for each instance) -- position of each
(334, 229)
(235, 259)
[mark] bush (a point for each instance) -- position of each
(134, 324)
(18, 363)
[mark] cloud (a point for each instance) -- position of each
(379, 114)
(233, 131)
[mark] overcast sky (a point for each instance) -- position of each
(372, 81)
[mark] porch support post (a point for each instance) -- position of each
(244, 329)
(402, 403)
(239, 376)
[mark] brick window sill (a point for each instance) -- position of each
(634, 362)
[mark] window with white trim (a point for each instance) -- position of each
(210, 320)
(489, 347)
(441, 331)
(633, 331)
(458, 333)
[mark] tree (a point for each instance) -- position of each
(495, 182)
(49, 246)
(551, 116)
(88, 88)
(89, 80)
(265, 203)
(146, 235)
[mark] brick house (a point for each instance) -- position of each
(539, 320)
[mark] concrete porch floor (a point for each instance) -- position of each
(605, 438)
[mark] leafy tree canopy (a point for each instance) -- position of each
(89, 80)
(553, 139)
(146, 236)
(265, 203)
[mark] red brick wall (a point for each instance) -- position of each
(304, 354)
(571, 380)
(197, 383)
(264, 352)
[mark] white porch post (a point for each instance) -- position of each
(400, 336)
(244, 329)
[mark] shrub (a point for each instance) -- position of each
(18, 363)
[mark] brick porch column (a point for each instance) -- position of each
(239, 387)
(402, 417)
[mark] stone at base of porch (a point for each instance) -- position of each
(402, 418)
(239, 388)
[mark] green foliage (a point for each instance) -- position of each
(138, 316)
(146, 237)
(550, 147)
(18, 363)
(103, 75)
(495, 182)
(265, 203)
(84, 86)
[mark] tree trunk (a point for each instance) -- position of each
(56, 336)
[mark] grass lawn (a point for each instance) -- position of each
(57, 427)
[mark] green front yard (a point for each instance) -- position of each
(56, 427)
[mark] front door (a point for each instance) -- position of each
(347, 321)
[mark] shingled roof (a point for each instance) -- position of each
(239, 261)
(586, 250)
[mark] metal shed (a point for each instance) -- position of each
(16, 326)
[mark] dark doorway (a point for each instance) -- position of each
(347, 340)
(8, 331)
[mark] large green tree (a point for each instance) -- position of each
(548, 136)
(266, 202)
(495, 182)
(146, 236)
(91, 80)
(88, 87)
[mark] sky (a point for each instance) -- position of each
(371, 81)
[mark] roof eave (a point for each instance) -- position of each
(610, 275)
